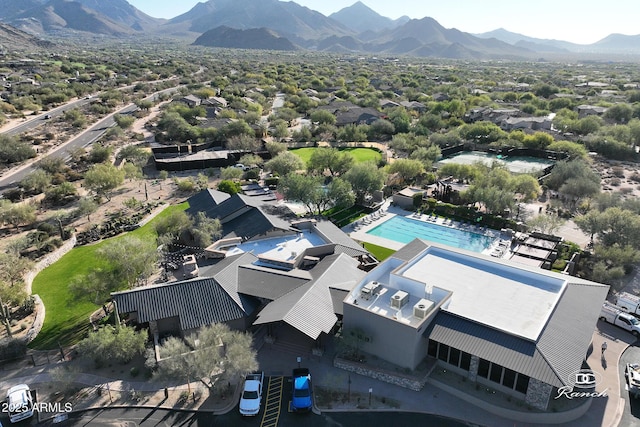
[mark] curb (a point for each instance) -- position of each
(232, 404)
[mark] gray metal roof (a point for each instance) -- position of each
(559, 351)
(241, 216)
(411, 250)
(252, 223)
(565, 340)
(269, 283)
(227, 276)
(196, 302)
(336, 235)
(205, 201)
(337, 298)
(310, 308)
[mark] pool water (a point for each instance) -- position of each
(404, 230)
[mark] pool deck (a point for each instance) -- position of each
(358, 229)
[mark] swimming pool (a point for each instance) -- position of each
(404, 230)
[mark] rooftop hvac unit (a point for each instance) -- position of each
(370, 289)
(399, 299)
(422, 308)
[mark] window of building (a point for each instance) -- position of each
(465, 361)
(509, 378)
(496, 373)
(433, 348)
(454, 356)
(443, 352)
(450, 355)
(483, 368)
(522, 383)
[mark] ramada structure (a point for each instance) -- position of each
(517, 328)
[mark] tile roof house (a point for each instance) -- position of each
(517, 329)
(533, 123)
(387, 103)
(590, 110)
(191, 100)
(269, 268)
(357, 116)
(348, 113)
(414, 105)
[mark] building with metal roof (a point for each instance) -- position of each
(268, 268)
(518, 329)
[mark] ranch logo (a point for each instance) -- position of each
(582, 384)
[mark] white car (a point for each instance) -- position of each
(19, 403)
(252, 394)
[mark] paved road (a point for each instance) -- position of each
(87, 137)
(84, 139)
(41, 119)
(161, 417)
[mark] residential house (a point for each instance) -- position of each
(590, 110)
(531, 123)
(357, 116)
(217, 101)
(387, 103)
(440, 97)
(487, 114)
(414, 105)
(515, 328)
(191, 101)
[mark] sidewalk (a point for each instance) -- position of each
(606, 411)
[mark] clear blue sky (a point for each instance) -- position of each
(571, 20)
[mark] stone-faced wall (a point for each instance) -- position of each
(473, 368)
(538, 394)
(382, 375)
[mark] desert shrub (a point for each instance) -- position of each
(618, 171)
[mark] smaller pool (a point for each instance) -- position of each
(404, 230)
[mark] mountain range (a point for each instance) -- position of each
(285, 25)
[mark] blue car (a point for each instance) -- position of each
(301, 397)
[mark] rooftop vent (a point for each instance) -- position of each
(370, 289)
(399, 299)
(422, 308)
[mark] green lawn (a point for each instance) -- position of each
(381, 253)
(359, 154)
(67, 321)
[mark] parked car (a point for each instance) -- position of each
(252, 394)
(301, 396)
(617, 316)
(632, 379)
(19, 403)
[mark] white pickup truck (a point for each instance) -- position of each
(616, 316)
(629, 303)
